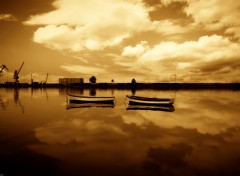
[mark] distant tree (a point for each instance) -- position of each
(112, 80)
(134, 81)
(93, 79)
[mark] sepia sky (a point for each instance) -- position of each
(149, 40)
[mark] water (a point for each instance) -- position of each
(40, 136)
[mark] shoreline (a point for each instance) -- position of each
(157, 86)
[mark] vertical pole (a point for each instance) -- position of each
(31, 80)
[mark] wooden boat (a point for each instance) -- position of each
(167, 108)
(90, 99)
(88, 105)
(137, 100)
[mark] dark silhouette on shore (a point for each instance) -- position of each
(130, 86)
(16, 73)
(2, 68)
(93, 79)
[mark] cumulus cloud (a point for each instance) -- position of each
(167, 2)
(208, 54)
(215, 14)
(75, 39)
(83, 69)
(8, 17)
(137, 50)
(181, 40)
(212, 14)
(214, 11)
(207, 48)
(92, 25)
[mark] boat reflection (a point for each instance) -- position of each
(167, 108)
(89, 105)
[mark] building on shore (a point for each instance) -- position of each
(69, 81)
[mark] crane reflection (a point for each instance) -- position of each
(17, 100)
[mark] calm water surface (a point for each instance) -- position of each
(39, 135)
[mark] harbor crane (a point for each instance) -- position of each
(2, 68)
(16, 73)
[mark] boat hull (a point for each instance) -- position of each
(90, 99)
(145, 101)
(89, 105)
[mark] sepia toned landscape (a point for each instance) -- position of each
(119, 87)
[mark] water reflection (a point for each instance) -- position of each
(4, 100)
(133, 90)
(167, 108)
(17, 100)
(131, 150)
(3, 103)
(89, 105)
(201, 137)
(92, 92)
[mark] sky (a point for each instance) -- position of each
(149, 40)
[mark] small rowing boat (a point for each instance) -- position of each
(137, 100)
(90, 99)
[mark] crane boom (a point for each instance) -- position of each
(3, 67)
(20, 68)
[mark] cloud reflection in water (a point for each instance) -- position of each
(201, 140)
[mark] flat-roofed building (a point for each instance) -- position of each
(69, 81)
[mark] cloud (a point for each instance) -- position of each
(99, 25)
(137, 50)
(208, 54)
(75, 12)
(75, 39)
(7, 17)
(214, 11)
(168, 2)
(206, 49)
(211, 15)
(83, 69)
(169, 27)
(156, 39)
(215, 14)
(93, 25)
